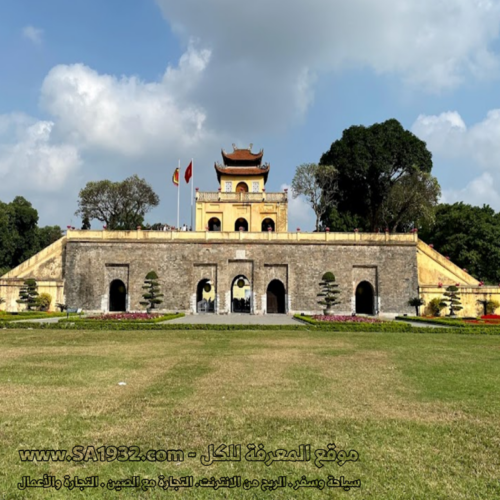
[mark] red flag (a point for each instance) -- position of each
(189, 172)
(175, 177)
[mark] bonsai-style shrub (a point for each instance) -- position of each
(416, 302)
(435, 306)
(452, 300)
(328, 292)
(152, 295)
(61, 307)
(28, 294)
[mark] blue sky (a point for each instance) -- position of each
(91, 90)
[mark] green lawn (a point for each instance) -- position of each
(421, 410)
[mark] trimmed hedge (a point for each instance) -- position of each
(30, 315)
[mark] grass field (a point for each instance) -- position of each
(421, 410)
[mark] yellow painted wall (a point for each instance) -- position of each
(236, 179)
(9, 290)
(254, 213)
(434, 268)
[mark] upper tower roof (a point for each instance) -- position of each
(242, 162)
(242, 157)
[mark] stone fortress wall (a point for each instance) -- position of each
(78, 269)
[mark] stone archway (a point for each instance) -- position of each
(117, 296)
(365, 298)
(268, 223)
(205, 297)
(275, 297)
(214, 224)
(241, 295)
(241, 223)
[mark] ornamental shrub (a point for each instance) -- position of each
(492, 306)
(328, 291)
(43, 301)
(152, 296)
(435, 306)
(28, 294)
(452, 300)
(416, 302)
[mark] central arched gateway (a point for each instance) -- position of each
(241, 295)
(365, 298)
(205, 297)
(275, 298)
(117, 296)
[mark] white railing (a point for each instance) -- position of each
(242, 197)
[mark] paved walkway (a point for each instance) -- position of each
(232, 319)
(236, 319)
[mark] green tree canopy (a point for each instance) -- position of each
(20, 236)
(382, 178)
(119, 205)
(469, 236)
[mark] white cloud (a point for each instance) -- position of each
(33, 34)
(127, 116)
(448, 136)
(270, 43)
(483, 190)
(30, 159)
(473, 149)
(108, 124)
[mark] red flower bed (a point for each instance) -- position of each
(125, 316)
(491, 316)
(347, 319)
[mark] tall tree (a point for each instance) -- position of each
(20, 236)
(119, 205)
(317, 184)
(411, 201)
(370, 162)
(469, 236)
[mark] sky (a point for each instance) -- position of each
(93, 90)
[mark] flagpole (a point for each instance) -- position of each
(192, 195)
(178, 194)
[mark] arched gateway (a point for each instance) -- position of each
(241, 295)
(365, 298)
(205, 297)
(117, 296)
(275, 298)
